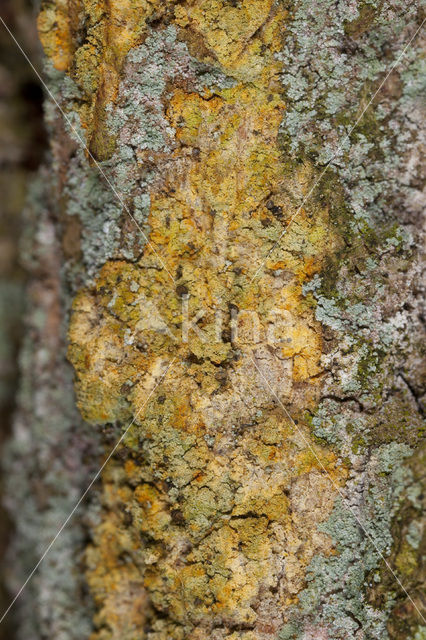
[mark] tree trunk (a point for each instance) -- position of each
(21, 145)
(226, 236)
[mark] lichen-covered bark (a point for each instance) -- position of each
(269, 467)
(52, 455)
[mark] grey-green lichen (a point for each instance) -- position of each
(49, 459)
(407, 555)
(139, 121)
(367, 299)
(111, 199)
(334, 602)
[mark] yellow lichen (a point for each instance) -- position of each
(222, 491)
(229, 29)
(55, 30)
(112, 28)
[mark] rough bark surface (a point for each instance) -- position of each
(274, 458)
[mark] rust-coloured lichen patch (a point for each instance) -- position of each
(55, 30)
(213, 517)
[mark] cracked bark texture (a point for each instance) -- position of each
(268, 474)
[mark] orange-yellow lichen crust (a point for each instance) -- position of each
(210, 518)
(107, 30)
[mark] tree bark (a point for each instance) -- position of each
(226, 242)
